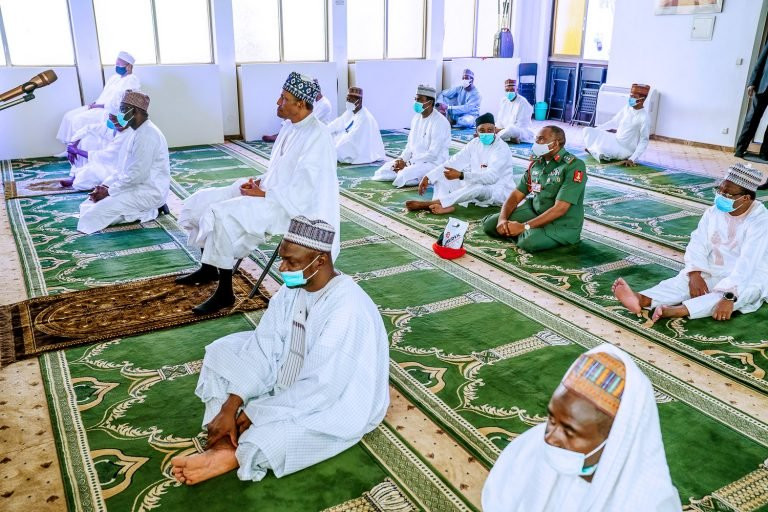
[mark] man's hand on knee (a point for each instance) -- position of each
(243, 422)
(696, 285)
(224, 425)
(723, 310)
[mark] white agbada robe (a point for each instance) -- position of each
(300, 180)
(488, 175)
(306, 405)
(732, 255)
(110, 97)
(632, 474)
(323, 110)
(427, 146)
(357, 137)
(514, 119)
(633, 130)
(138, 187)
(103, 146)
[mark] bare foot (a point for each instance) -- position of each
(413, 206)
(67, 182)
(439, 210)
(193, 469)
(626, 296)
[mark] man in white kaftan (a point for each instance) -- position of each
(323, 110)
(726, 260)
(633, 130)
(481, 173)
(230, 222)
(356, 133)
(139, 186)
(307, 384)
(108, 100)
(599, 450)
(427, 146)
(513, 122)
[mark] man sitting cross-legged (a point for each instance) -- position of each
(553, 214)
(480, 173)
(726, 261)
(600, 448)
(229, 222)
(513, 122)
(307, 384)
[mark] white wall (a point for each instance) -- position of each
(531, 29)
(185, 102)
(260, 86)
(389, 87)
(489, 78)
(701, 85)
(224, 56)
(29, 130)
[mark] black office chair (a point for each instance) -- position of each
(526, 81)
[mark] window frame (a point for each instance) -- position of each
(475, 31)
(425, 20)
(572, 58)
(7, 50)
(281, 35)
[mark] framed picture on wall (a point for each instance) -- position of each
(688, 6)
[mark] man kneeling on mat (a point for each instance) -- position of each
(553, 213)
(726, 261)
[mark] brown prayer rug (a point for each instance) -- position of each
(31, 188)
(53, 322)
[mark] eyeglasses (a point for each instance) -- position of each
(717, 190)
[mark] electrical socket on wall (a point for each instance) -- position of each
(724, 131)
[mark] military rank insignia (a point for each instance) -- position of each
(578, 176)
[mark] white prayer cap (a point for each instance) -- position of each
(127, 57)
(313, 234)
(744, 176)
(426, 90)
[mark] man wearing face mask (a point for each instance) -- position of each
(356, 133)
(633, 130)
(427, 146)
(94, 153)
(726, 261)
(109, 99)
(228, 223)
(481, 173)
(139, 186)
(600, 449)
(307, 384)
(513, 123)
(554, 184)
(461, 104)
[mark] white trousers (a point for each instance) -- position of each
(604, 145)
(407, 177)
(675, 291)
(515, 132)
(77, 118)
(90, 175)
(113, 210)
(452, 192)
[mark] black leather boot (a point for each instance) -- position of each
(223, 297)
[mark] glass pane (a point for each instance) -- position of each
(459, 28)
(597, 36)
(487, 26)
(38, 32)
(2, 53)
(304, 30)
(183, 31)
(569, 19)
(257, 30)
(405, 29)
(125, 25)
(365, 29)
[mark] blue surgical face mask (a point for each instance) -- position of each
(121, 120)
(111, 125)
(724, 204)
(418, 107)
(632, 102)
(121, 70)
(295, 278)
(486, 138)
(511, 95)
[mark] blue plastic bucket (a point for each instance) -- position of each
(540, 111)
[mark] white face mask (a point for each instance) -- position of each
(569, 463)
(540, 149)
(465, 83)
(351, 107)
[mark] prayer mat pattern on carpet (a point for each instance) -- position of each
(454, 358)
(122, 409)
(34, 177)
(57, 258)
(38, 325)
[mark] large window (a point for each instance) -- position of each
(385, 29)
(153, 31)
(36, 33)
(583, 28)
(470, 28)
(280, 30)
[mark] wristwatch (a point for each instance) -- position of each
(461, 175)
(730, 296)
(527, 226)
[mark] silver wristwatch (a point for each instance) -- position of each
(730, 296)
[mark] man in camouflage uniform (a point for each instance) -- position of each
(554, 213)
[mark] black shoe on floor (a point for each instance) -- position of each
(739, 153)
(163, 210)
(205, 274)
(219, 300)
